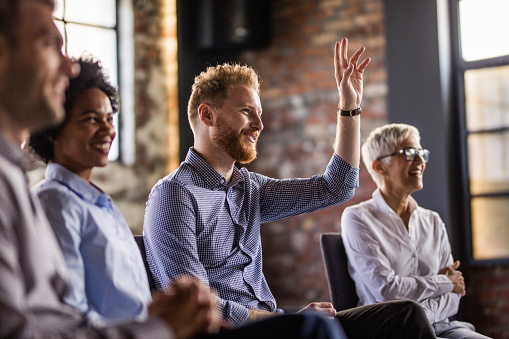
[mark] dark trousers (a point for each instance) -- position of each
(392, 320)
(294, 326)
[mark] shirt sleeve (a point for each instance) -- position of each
(13, 306)
(446, 305)
(373, 268)
(441, 307)
(285, 198)
(66, 218)
(170, 240)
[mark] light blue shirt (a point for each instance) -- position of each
(107, 278)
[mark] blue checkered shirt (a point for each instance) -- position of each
(198, 224)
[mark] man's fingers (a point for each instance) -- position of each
(343, 50)
(337, 64)
(336, 56)
(356, 56)
(363, 65)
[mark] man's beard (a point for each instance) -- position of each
(233, 143)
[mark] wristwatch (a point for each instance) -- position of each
(350, 113)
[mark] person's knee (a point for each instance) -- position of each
(412, 307)
(414, 314)
(317, 326)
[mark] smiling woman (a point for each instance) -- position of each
(397, 249)
(108, 282)
(91, 101)
(85, 139)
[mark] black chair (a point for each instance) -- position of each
(141, 245)
(341, 285)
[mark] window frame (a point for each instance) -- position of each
(119, 72)
(461, 134)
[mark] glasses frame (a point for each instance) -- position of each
(423, 153)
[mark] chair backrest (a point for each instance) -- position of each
(341, 285)
(141, 245)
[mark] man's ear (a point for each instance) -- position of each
(206, 114)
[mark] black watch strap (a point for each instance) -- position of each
(350, 113)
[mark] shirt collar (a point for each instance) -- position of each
(212, 178)
(382, 205)
(86, 191)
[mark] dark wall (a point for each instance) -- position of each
(211, 33)
(192, 60)
(419, 90)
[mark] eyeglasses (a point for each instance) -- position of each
(410, 154)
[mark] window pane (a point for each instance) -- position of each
(489, 162)
(59, 10)
(483, 28)
(101, 43)
(93, 12)
(487, 98)
(490, 228)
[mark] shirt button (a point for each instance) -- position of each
(414, 255)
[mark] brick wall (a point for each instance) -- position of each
(486, 304)
(299, 99)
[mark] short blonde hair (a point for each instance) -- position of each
(215, 83)
(382, 141)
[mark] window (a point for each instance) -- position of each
(91, 27)
(482, 62)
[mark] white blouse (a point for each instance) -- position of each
(389, 262)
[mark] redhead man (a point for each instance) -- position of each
(204, 219)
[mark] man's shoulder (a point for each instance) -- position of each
(255, 177)
(11, 191)
(184, 176)
(11, 176)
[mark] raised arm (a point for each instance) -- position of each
(349, 81)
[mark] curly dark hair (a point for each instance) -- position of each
(91, 76)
